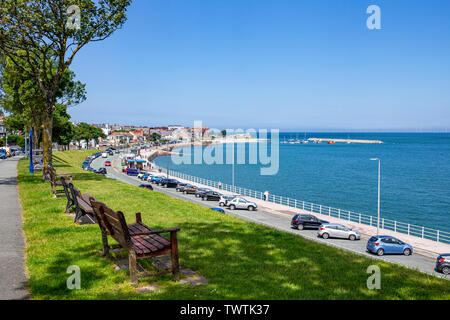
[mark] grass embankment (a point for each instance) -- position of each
(241, 260)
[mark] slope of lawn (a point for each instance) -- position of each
(240, 260)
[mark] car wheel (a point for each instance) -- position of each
(251, 208)
(380, 252)
(300, 226)
(325, 235)
(232, 207)
(220, 204)
(407, 252)
(446, 270)
(352, 237)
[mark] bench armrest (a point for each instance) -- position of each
(155, 232)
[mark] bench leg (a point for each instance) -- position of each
(174, 256)
(132, 266)
(105, 243)
(78, 214)
(69, 205)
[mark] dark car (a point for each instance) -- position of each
(211, 195)
(132, 172)
(146, 186)
(189, 189)
(302, 221)
(101, 171)
(169, 183)
(443, 263)
(200, 191)
(180, 186)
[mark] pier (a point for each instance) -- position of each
(319, 140)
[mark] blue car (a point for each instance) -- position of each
(2, 155)
(156, 179)
(132, 172)
(381, 245)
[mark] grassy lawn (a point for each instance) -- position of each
(241, 260)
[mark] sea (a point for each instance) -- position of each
(415, 174)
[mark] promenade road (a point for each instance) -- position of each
(12, 257)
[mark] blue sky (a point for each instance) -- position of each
(306, 65)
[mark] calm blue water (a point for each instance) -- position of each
(415, 184)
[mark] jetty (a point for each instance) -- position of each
(319, 140)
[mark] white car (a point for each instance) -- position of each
(104, 155)
(241, 203)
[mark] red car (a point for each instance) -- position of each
(108, 163)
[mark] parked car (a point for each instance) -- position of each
(146, 186)
(211, 195)
(169, 183)
(104, 155)
(224, 200)
(241, 203)
(139, 176)
(132, 172)
(218, 210)
(145, 176)
(334, 230)
(443, 263)
(302, 221)
(107, 163)
(101, 171)
(381, 245)
(156, 179)
(180, 186)
(3, 154)
(200, 192)
(189, 189)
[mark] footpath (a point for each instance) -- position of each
(12, 270)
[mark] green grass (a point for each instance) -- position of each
(241, 260)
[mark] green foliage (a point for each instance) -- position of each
(224, 133)
(87, 132)
(13, 140)
(155, 136)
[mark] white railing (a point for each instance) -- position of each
(386, 224)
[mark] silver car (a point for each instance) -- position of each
(335, 230)
(241, 203)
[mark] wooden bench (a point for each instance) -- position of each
(83, 207)
(138, 239)
(70, 202)
(55, 181)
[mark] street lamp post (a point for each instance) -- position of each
(379, 191)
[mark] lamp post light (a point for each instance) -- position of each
(379, 191)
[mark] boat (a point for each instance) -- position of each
(331, 142)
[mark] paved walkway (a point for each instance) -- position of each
(12, 257)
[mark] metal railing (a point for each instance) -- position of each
(386, 224)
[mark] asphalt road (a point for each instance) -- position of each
(12, 244)
(281, 222)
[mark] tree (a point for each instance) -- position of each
(47, 34)
(156, 136)
(224, 133)
(24, 101)
(84, 131)
(63, 129)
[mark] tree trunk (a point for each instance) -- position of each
(47, 141)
